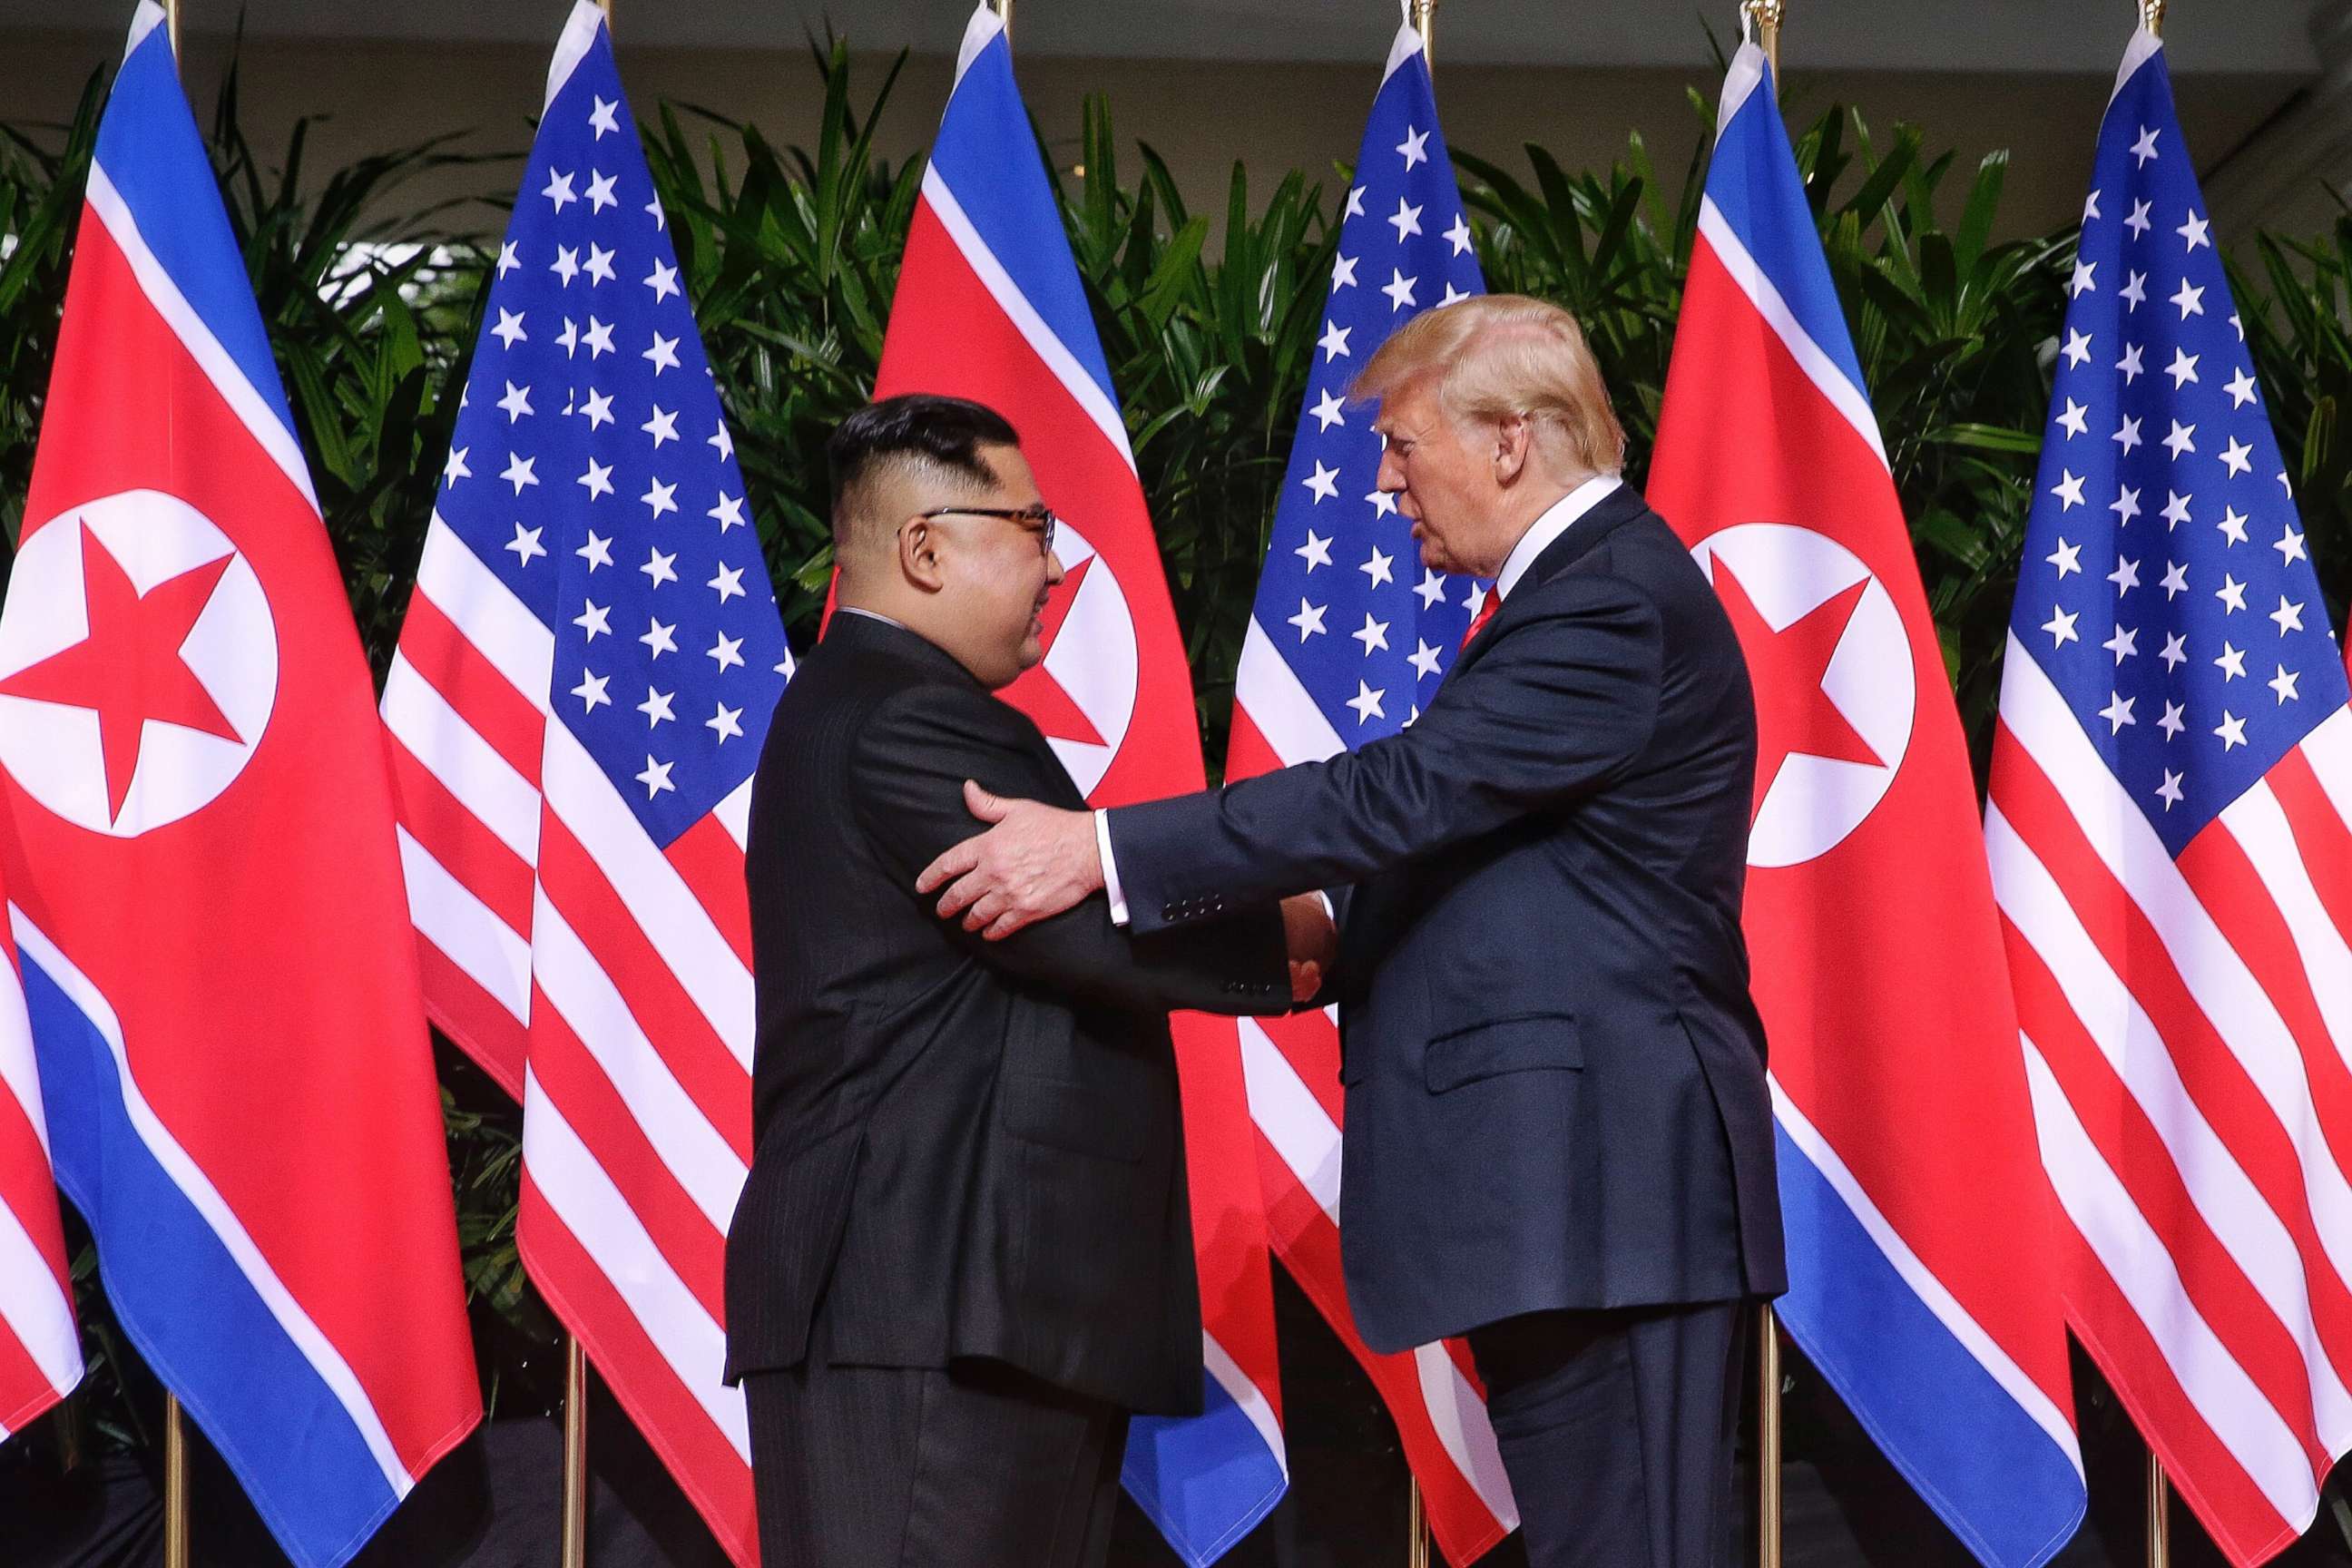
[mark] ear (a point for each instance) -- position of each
(1514, 446)
(919, 547)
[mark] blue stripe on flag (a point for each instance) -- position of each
(1205, 1480)
(1754, 183)
(1980, 1462)
(148, 145)
(1003, 191)
(191, 1310)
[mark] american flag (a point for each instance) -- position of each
(1349, 638)
(2171, 788)
(582, 685)
(40, 1350)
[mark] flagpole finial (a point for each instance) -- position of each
(2151, 15)
(1424, 22)
(1764, 17)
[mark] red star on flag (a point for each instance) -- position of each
(1793, 714)
(129, 670)
(1037, 692)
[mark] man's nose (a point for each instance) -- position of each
(1052, 568)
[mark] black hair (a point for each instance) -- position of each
(924, 427)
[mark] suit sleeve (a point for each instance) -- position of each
(1562, 702)
(908, 772)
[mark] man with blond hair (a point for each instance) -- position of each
(1560, 1143)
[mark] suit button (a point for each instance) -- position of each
(1168, 911)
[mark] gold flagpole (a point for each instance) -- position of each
(572, 1536)
(175, 1485)
(1417, 1550)
(1768, 1438)
(1765, 16)
(2159, 1487)
(176, 1438)
(1003, 9)
(574, 1543)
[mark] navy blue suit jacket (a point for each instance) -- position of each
(1554, 1072)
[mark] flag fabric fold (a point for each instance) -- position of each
(990, 307)
(2170, 830)
(582, 685)
(1922, 1272)
(1347, 635)
(204, 891)
(40, 1348)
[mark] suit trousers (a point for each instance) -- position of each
(977, 1465)
(1616, 1430)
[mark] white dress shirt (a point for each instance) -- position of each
(1556, 520)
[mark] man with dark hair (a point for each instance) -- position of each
(964, 1253)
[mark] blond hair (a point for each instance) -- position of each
(1500, 355)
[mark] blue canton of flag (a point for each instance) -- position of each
(2166, 588)
(592, 470)
(1367, 629)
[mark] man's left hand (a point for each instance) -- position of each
(1035, 862)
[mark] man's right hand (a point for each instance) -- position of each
(1313, 941)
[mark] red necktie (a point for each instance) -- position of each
(1486, 613)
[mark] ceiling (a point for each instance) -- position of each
(2007, 36)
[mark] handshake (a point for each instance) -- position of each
(1313, 941)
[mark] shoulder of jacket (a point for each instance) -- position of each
(1593, 587)
(935, 708)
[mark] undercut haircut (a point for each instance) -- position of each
(920, 434)
(1499, 355)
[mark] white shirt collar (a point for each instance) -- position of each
(1554, 522)
(871, 615)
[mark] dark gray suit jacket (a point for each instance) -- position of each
(1555, 1075)
(963, 1148)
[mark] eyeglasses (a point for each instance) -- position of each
(1037, 520)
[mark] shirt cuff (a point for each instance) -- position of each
(1109, 870)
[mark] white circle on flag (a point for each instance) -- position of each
(1093, 659)
(1814, 802)
(224, 676)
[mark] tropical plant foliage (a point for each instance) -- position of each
(792, 257)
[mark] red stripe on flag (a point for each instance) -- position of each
(1310, 1042)
(1248, 752)
(25, 1390)
(475, 1021)
(692, 1049)
(711, 860)
(454, 837)
(2224, 1496)
(504, 716)
(1309, 1245)
(2321, 837)
(606, 1125)
(713, 1476)
(2231, 890)
(2213, 1078)
(2128, 1141)
(29, 1189)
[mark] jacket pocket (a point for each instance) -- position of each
(1084, 1118)
(1527, 1043)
